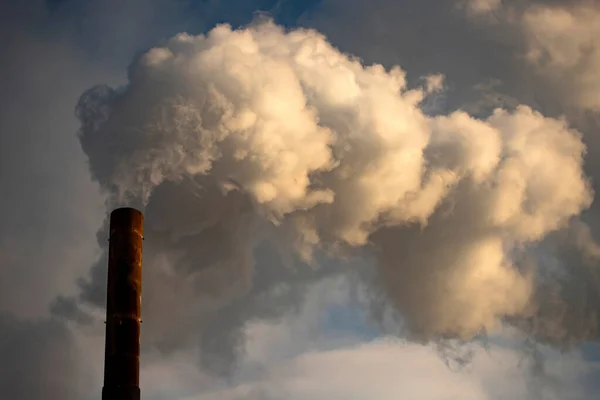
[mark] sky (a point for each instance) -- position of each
(343, 199)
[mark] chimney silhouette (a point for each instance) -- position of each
(123, 306)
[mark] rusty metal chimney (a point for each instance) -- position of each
(123, 306)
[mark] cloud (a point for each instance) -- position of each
(479, 7)
(51, 207)
(295, 357)
(388, 369)
(259, 134)
(560, 43)
(564, 311)
(41, 359)
(572, 65)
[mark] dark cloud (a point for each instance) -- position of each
(49, 205)
(40, 359)
(50, 209)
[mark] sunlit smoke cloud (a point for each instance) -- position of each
(259, 134)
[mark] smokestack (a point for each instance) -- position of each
(123, 306)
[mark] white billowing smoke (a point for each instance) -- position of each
(336, 155)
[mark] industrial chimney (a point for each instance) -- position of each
(123, 306)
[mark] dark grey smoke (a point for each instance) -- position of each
(201, 288)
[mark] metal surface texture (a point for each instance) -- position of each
(123, 306)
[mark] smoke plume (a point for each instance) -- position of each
(238, 138)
